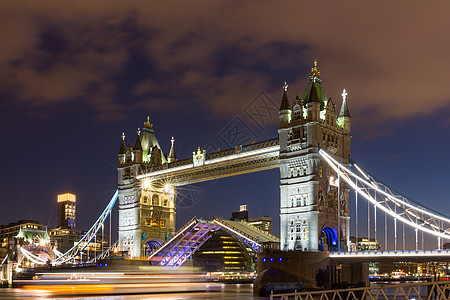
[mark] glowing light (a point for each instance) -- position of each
(146, 184)
(344, 95)
(67, 197)
(168, 188)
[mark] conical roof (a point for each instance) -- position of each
(172, 155)
(344, 110)
(285, 101)
(137, 144)
(312, 96)
(123, 148)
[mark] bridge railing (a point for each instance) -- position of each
(422, 290)
(392, 253)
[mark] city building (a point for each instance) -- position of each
(241, 214)
(66, 210)
(314, 209)
(10, 231)
(222, 252)
(64, 238)
(263, 223)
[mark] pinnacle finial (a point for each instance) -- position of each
(285, 86)
(344, 95)
(123, 136)
(314, 72)
(147, 124)
(172, 140)
(138, 131)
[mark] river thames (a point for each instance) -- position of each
(211, 291)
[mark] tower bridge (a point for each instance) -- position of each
(310, 220)
(312, 152)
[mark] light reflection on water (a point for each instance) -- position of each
(219, 292)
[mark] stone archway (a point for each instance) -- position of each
(329, 238)
(150, 246)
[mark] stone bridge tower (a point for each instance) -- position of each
(309, 205)
(146, 211)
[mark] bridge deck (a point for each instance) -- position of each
(230, 162)
(407, 255)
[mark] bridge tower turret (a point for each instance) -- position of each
(309, 207)
(146, 211)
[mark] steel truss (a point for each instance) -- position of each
(263, 157)
(397, 206)
(73, 252)
(105, 253)
(176, 251)
(196, 232)
(420, 291)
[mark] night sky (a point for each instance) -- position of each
(75, 75)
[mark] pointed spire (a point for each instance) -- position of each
(137, 145)
(314, 72)
(172, 155)
(344, 108)
(312, 96)
(123, 148)
(285, 101)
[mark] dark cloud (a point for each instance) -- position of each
(391, 57)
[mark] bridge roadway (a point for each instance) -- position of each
(238, 160)
(403, 256)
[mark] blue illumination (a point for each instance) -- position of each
(101, 265)
(271, 259)
(264, 259)
(280, 259)
(119, 265)
(331, 235)
(106, 265)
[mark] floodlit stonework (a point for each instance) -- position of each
(308, 186)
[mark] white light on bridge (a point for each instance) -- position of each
(146, 184)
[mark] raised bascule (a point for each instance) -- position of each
(312, 217)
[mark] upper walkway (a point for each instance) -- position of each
(238, 160)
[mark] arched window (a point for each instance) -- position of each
(155, 199)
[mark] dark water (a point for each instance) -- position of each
(215, 291)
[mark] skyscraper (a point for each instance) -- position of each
(66, 210)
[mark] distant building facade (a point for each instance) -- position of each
(67, 210)
(222, 252)
(242, 214)
(263, 223)
(12, 230)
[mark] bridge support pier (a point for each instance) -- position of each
(314, 270)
